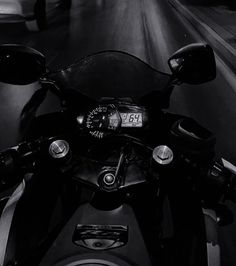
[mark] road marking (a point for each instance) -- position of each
(222, 67)
(190, 15)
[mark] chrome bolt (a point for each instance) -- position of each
(163, 155)
(109, 179)
(59, 149)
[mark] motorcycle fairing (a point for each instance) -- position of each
(111, 74)
(7, 217)
(213, 248)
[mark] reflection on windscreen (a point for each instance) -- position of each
(112, 74)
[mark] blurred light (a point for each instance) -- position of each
(8, 7)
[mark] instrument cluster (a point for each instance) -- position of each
(107, 118)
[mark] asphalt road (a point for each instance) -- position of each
(149, 29)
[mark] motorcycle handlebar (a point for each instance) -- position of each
(20, 159)
(231, 180)
(17, 161)
(9, 162)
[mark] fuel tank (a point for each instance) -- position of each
(97, 237)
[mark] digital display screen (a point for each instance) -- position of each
(131, 119)
(113, 121)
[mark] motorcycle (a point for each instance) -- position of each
(112, 178)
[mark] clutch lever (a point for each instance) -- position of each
(229, 166)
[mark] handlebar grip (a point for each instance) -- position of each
(8, 161)
(231, 193)
(8, 168)
(17, 161)
(222, 179)
(231, 178)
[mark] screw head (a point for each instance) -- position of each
(59, 149)
(163, 155)
(109, 179)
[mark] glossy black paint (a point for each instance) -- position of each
(193, 64)
(190, 137)
(111, 73)
(20, 65)
(133, 253)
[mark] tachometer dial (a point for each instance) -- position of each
(103, 118)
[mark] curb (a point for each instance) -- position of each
(223, 49)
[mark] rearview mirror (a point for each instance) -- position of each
(20, 65)
(193, 64)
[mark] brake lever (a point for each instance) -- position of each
(229, 166)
